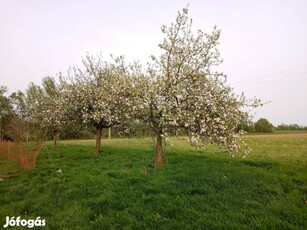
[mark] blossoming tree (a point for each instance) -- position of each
(46, 106)
(99, 93)
(183, 92)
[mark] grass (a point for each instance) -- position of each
(8, 168)
(278, 132)
(195, 189)
(289, 131)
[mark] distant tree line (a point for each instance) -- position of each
(291, 127)
(263, 125)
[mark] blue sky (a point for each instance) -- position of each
(263, 43)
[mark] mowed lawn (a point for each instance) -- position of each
(195, 189)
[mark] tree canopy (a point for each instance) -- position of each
(183, 91)
(99, 93)
(263, 125)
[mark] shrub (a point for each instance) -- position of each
(263, 125)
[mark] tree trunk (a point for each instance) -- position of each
(159, 154)
(98, 140)
(109, 133)
(55, 137)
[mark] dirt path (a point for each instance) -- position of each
(278, 136)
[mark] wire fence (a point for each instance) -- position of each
(23, 153)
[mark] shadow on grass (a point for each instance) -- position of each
(259, 164)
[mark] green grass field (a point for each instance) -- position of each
(196, 189)
(8, 168)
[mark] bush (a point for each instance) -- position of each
(263, 125)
